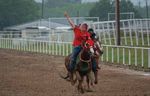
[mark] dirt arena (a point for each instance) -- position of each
(31, 74)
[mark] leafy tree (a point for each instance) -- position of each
(74, 9)
(17, 11)
(103, 7)
(56, 3)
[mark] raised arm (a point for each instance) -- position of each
(69, 20)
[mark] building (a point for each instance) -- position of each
(89, 1)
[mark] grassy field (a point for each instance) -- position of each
(120, 59)
(127, 42)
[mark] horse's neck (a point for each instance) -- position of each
(98, 45)
(85, 55)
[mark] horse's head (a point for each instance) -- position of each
(88, 47)
(98, 45)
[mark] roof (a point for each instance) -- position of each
(37, 23)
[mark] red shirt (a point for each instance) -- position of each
(79, 36)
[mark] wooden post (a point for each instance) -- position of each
(117, 17)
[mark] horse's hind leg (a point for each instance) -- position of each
(96, 77)
(88, 83)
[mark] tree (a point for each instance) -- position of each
(103, 7)
(56, 3)
(14, 12)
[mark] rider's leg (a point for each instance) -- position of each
(74, 55)
(94, 69)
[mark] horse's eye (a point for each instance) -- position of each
(87, 44)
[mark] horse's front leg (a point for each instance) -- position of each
(80, 86)
(96, 77)
(88, 82)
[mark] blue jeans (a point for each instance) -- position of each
(94, 65)
(75, 53)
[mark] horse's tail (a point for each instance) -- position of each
(66, 66)
(64, 77)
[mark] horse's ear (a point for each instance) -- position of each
(97, 37)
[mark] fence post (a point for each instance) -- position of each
(117, 54)
(148, 58)
(107, 53)
(135, 52)
(112, 53)
(130, 32)
(123, 55)
(130, 56)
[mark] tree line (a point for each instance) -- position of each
(14, 12)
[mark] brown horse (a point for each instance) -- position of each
(83, 68)
(98, 51)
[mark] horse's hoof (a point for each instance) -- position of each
(72, 82)
(89, 90)
(92, 84)
(82, 91)
(98, 67)
(95, 82)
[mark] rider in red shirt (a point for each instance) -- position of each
(80, 34)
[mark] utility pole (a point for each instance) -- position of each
(42, 13)
(117, 17)
(147, 14)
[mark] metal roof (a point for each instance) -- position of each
(37, 23)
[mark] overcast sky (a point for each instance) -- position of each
(136, 2)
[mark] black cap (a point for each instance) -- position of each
(90, 30)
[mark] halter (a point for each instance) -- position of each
(87, 61)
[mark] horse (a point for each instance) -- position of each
(83, 68)
(85, 58)
(98, 51)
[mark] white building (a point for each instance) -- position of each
(88, 1)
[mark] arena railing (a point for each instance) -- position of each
(134, 32)
(126, 55)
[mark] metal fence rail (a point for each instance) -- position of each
(134, 32)
(136, 56)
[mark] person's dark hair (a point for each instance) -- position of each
(90, 30)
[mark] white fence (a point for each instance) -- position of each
(134, 32)
(135, 56)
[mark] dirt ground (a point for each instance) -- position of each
(31, 74)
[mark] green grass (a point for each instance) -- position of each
(128, 42)
(126, 56)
